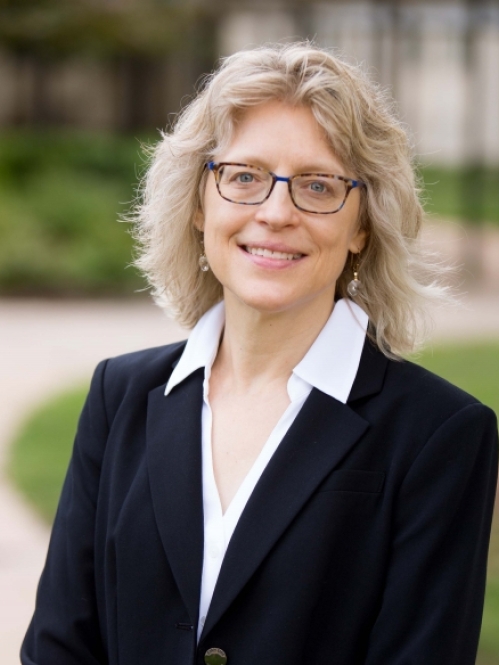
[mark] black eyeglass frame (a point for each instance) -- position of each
(350, 184)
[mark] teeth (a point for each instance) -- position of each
(260, 251)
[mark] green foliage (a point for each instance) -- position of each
(469, 193)
(25, 153)
(61, 198)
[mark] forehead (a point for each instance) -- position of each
(278, 134)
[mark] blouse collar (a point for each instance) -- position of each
(330, 364)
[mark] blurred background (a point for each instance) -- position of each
(84, 85)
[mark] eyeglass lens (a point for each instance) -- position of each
(251, 185)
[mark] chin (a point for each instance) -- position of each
(268, 303)
(263, 302)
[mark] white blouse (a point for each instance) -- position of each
(330, 365)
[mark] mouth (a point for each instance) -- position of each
(272, 254)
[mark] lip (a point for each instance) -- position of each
(272, 246)
(268, 262)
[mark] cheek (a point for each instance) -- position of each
(334, 251)
(334, 243)
(219, 241)
(212, 207)
(217, 232)
(211, 246)
(223, 221)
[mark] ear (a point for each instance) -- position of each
(198, 220)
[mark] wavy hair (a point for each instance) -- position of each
(399, 280)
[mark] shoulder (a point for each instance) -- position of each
(135, 374)
(411, 410)
(430, 397)
(149, 365)
(402, 393)
(412, 379)
(404, 383)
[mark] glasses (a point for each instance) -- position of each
(318, 193)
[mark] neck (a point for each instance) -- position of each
(260, 349)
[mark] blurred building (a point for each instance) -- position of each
(440, 60)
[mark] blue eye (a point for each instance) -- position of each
(318, 187)
(246, 177)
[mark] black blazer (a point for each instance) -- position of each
(364, 542)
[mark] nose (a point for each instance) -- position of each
(278, 210)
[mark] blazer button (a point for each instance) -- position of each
(215, 656)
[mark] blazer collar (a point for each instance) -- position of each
(321, 436)
(371, 373)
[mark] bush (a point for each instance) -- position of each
(62, 196)
(468, 193)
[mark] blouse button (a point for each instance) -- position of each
(215, 656)
(214, 551)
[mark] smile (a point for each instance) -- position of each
(270, 254)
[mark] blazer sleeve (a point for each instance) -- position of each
(432, 605)
(65, 627)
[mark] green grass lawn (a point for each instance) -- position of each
(40, 454)
(472, 367)
(475, 368)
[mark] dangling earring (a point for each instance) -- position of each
(203, 261)
(355, 285)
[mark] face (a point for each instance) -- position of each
(304, 253)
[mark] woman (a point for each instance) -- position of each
(282, 489)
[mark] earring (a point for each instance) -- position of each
(355, 285)
(203, 261)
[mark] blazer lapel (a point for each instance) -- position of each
(371, 373)
(175, 471)
(322, 434)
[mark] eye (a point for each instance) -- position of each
(236, 176)
(317, 187)
(245, 178)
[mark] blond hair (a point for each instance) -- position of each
(398, 279)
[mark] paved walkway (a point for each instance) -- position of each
(47, 345)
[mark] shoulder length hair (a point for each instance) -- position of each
(398, 279)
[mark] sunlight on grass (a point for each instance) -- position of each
(40, 455)
(489, 639)
(472, 367)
